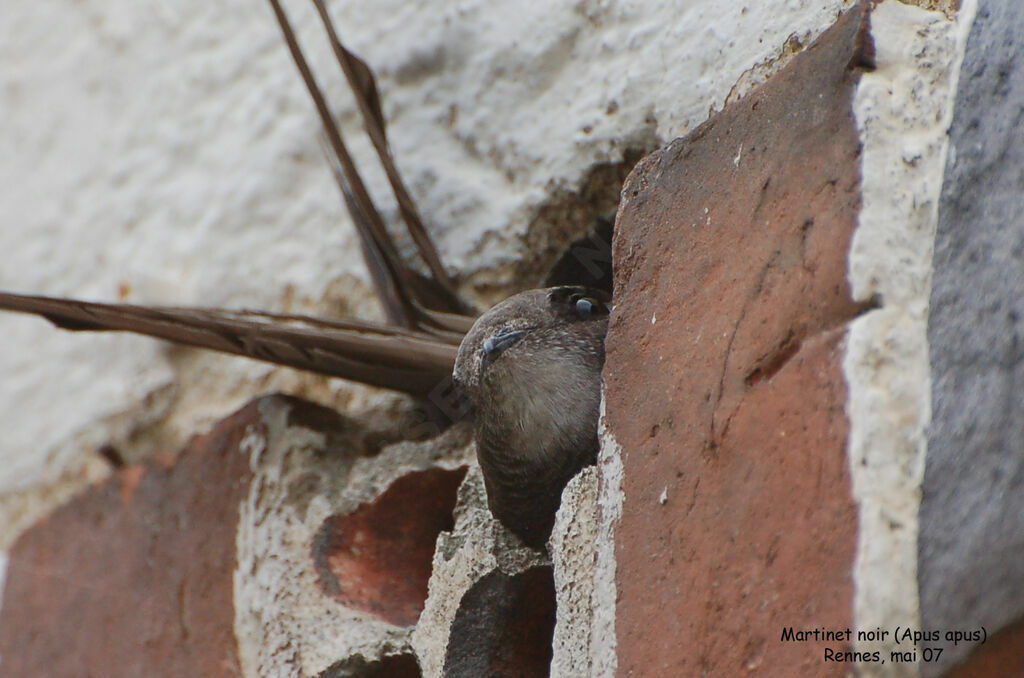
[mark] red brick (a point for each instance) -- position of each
(378, 558)
(724, 383)
(134, 576)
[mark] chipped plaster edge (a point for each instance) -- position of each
(477, 545)
(610, 498)
(281, 618)
(573, 549)
(903, 110)
(582, 548)
(284, 624)
(461, 557)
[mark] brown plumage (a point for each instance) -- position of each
(393, 357)
(531, 367)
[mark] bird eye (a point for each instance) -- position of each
(584, 306)
(578, 303)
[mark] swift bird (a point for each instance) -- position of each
(531, 366)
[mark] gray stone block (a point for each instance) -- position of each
(971, 572)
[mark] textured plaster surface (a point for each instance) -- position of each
(972, 533)
(580, 555)
(572, 546)
(603, 642)
(166, 153)
(285, 622)
(903, 111)
(477, 546)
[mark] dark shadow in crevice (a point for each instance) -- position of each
(568, 218)
(394, 666)
(504, 626)
(772, 362)
(588, 260)
(769, 365)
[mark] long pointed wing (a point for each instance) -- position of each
(402, 360)
(414, 358)
(364, 87)
(395, 281)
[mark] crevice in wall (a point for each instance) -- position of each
(568, 219)
(588, 260)
(393, 666)
(504, 626)
(377, 558)
(776, 358)
(771, 363)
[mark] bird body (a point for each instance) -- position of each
(531, 368)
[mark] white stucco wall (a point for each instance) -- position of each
(166, 153)
(903, 110)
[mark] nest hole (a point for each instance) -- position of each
(504, 626)
(378, 558)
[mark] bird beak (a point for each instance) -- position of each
(494, 345)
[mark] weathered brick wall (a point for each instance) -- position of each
(803, 465)
(724, 377)
(810, 423)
